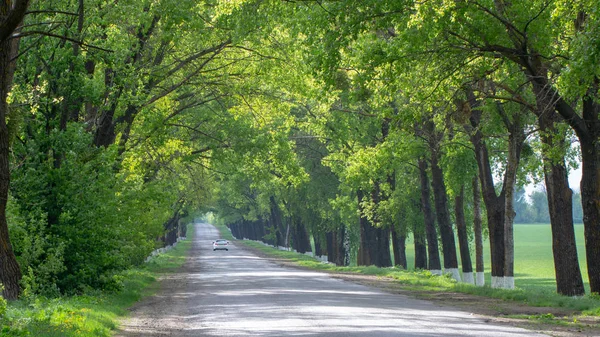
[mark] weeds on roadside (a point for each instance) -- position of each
(94, 313)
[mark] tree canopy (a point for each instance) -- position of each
(337, 127)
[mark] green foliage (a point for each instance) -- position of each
(95, 313)
(3, 305)
(223, 106)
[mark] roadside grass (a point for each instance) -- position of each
(423, 281)
(95, 313)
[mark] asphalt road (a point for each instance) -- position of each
(235, 293)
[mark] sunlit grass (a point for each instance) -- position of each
(93, 314)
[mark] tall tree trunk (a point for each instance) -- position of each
(335, 246)
(399, 248)
(277, 224)
(375, 241)
(331, 246)
(398, 240)
(463, 238)
(363, 257)
(301, 237)
(478, 233)
(590, 194)
(11, 16)
(494, 203)
(442, 212)
(384, 258)
(434, 265)
(516, 138)
(420, 244)
(560, 201)
(319, 251)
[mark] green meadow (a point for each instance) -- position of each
(534, 262)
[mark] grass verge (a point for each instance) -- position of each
(92, 314)
(424, 282)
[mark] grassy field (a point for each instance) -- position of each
(93, 314)
(534, 262)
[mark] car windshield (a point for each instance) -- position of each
(221, 241)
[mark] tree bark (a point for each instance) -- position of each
(375, 243)
(277, 224)
(11, 16)
(336, 251)
(300, 238)
(516, 138)
(442, 212)
(494, 203)
(420, 247)
(463, 238)
(560, 200)
(478, 233)
(432, 239)
(399, 248)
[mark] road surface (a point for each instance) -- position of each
(235, 293)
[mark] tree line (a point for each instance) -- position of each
(425, 119)
(533, 207)
(351, 124)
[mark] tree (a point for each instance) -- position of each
(11, 16)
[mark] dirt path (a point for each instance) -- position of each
(238, 293)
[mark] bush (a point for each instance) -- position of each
(3, 304)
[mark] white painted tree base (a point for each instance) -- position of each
(436, 271)
(497, 282)
(454, 272)
(468, 278)
(509, 282)
(480, 282)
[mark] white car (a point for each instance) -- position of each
(220, 244)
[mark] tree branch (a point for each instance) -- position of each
(12, 19)
(39, 32)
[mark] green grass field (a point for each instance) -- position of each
(534, 262)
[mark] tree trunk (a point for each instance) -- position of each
(463, 238)
(516, 138)
(11, 16)
(277, 224)
(319, 251)
(336, 251)
(560, 201)
(434, 265)
(494, 203)
(442, 212)
(478, 233)
(420, 247)
(399, 247)
(301, 237)
(374, 243)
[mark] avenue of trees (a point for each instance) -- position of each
(340, 126)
